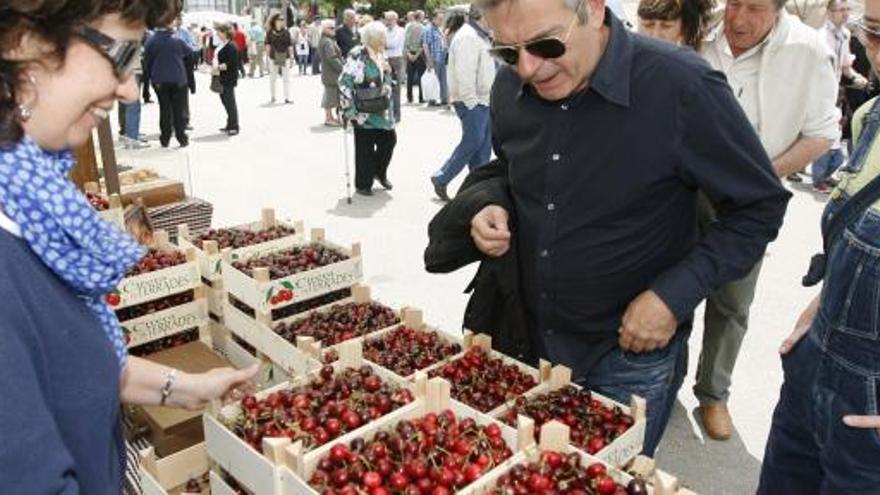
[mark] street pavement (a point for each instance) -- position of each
(285, 158)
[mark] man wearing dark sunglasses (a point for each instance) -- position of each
(603, 138)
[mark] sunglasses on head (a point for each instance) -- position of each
(865, 34)
(546, 48)
(124, 56)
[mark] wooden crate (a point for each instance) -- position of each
(241, 358)
(116, 213)
(160, 283)
(170, 474)
(209, 258)
(261, 473)
(219, 486)
(555, 437)
(485, 342)
(626, 447)
(167, 322)
(260, 333)
(216, 297)
(258, 291)
(297, 467)
(414, 318)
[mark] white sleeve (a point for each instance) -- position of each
(823, 116)
(467, 70)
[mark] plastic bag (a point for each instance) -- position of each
(430, 86)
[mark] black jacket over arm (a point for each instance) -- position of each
(495, 308)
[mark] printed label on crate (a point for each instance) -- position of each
(313, 283)
(155, 285)
(164, 323)
(626, 447)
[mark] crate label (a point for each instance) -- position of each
(626, 447)
(158, 284)
(164, 323)
(312, 283)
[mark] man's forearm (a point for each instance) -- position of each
(803, 152)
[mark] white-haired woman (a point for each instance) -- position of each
(365, 90)
(331, 68)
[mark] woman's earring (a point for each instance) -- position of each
(26, 110)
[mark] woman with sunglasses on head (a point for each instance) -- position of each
(825, 437)
(63, 65)
(682, 22)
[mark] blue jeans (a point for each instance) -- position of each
(440, 70)
(826, 164)
(833, 372)
(132, 119)
(475, 147)
(655, 376)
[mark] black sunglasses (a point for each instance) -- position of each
(865, 35)
(124, 56)
(549, 47)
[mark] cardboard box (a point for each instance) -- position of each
(172, 430)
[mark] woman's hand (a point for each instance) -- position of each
(196, 391)
(804, 322)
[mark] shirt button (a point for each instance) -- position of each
(565, 106)
(545, 253)
(549, 331)
(543, 295)
(556, 157)
(551, 207)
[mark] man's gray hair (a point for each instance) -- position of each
(328, 24)
(392, 15)
(573, 5)
(372, 32)
(349, 14)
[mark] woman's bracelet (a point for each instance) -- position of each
(166, 389)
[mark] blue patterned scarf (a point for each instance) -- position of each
(88, 253)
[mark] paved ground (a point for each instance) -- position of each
(285, 158)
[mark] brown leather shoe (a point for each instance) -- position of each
(717, 420)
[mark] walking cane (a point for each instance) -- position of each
(345, 125)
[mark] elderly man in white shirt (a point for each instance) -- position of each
(394, 51)
(781, 72)
(470, 74)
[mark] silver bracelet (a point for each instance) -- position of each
(166, 389)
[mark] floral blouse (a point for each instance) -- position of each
(360, 71)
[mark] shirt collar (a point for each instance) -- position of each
(611, 78)
(8, 225)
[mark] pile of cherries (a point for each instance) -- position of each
(166, 343)
(239, 238)
(484, 382)
(157, 260)
(593, 424)
(406, 350)
(436, 454)
(329, 406)
(151, 307)
(98, 202)
(339, 323)
(563, 473)
(291, 261)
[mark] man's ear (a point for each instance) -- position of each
(595, 10)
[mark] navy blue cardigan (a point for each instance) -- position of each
(59, 385)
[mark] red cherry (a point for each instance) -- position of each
(372, 479)
(606, 486)
(596, 470)
(113, 299)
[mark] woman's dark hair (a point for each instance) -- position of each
(695, 15)
(272, 20)
(53, 21)
(454, 21)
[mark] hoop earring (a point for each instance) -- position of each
(26, 110)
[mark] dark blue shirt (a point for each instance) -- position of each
(59, 385)
(604, 186)
(166, 58)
